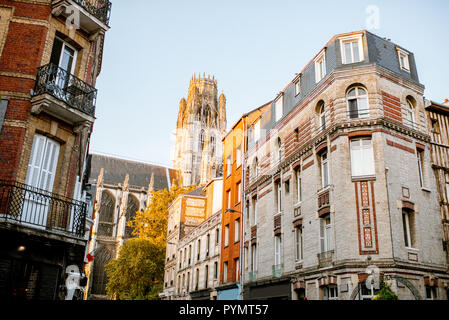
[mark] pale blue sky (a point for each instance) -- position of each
(252, 47)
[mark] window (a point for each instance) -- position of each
(279, 150)
(197, 279)
(298, 186)
(253, 258)
(431, 293)
(324, 170)
(254, 211)
(202, 139)
(404, 62)
(3, 107)
(239, 192)
(190, 254)
(198, 255)
(408, 223)
(246, 258)
(228, 199)
(277, 250)
(421, 172)
(410, 113)
(297, 87)
(237, 230)
(256, 168)
(257, 131)
(321, 116)
(237, 268)
(357, 103)
(351, 49)
(320, 67)
(298, 243)
(64, 56)
(226, 236)
(225, 272)
(188, 281)
(362, 158)
(206, 277)
(215, 270)
(330, 292)
(228, 166)
(217, 237)
(238, 156)
(326, 235)
(207, 245)
(279, 105)
(278, 196)
(43, 162)
(212, 145)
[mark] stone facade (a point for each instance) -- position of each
(122, 188)
(367, 201)
(200, 127)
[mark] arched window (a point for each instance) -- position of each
(100, 279)
(410, 113)
(321, 116)
(357, 100)
(279, 149)
(131, 209)
(212, 145)
(106, 219)
(202, 139)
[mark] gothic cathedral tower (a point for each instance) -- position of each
(199, 131)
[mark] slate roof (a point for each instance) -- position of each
(197, 192)
(116, 169)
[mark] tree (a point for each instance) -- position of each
(138, 272)
(151, 224)
(386, 293)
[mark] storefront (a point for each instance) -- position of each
(275, 289)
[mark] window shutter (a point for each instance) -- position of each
(35, 163)
(322, 244)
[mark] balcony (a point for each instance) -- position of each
(277, 270)
(325, 258)
(63, 95)
(252, 276)
(29, 207)
(94, 15)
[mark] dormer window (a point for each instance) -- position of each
(403, 59)
(351, 49)
(279, 105)
(297, 83)
(320, 66)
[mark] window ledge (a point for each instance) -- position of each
(364, 178)
(426, 189)
(297, 205)
(412, 249)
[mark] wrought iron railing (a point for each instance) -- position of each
(252, 276)
(100, 9)
(66, 87)
(277, 270)
(40, 209)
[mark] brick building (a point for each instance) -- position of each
(50, 57)
(341, 183)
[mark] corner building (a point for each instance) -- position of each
(340, 185)
(48, 71)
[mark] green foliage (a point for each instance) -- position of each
(386, 293)
(138, 272)
(151, 224)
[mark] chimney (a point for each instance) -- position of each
(446, 102)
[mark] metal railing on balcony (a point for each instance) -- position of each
(252, 276)
(100, 9)
(35, 208)
(66, 87)
(277, 270)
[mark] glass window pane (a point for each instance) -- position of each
(355, 50)
(348, 54)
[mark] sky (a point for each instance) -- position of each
(252, 47)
